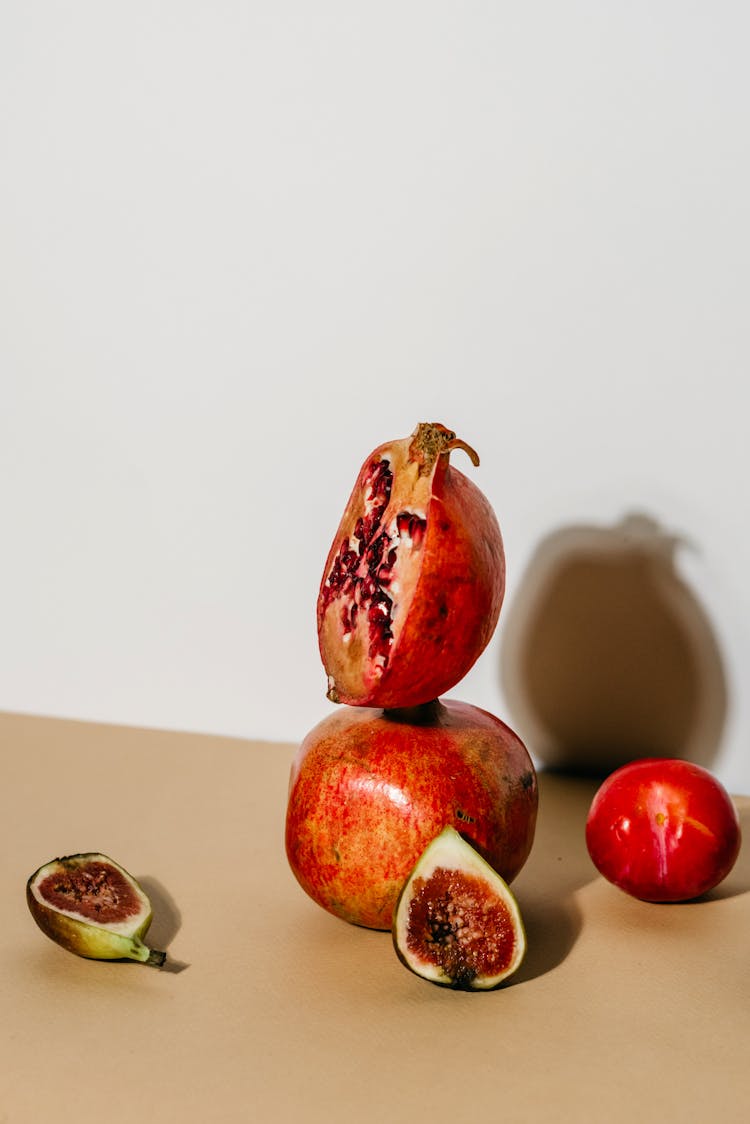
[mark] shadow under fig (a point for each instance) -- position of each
(166, 922)
(559, 866)
(552, 929)
(608, 655)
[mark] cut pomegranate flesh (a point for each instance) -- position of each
(366, 563)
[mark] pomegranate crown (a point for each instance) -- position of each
(431, 440)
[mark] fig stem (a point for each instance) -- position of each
(155, 958)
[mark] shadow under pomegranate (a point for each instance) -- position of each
(608, 655)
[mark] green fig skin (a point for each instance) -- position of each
(93, 942)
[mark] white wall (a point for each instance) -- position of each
(243, 243)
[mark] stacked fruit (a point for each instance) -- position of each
(408, 812)
(410, 597)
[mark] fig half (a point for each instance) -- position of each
(91, 906)
(456, 922)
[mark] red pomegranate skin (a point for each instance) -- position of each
(370, 789)
(421, 622)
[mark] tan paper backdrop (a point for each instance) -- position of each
(271, 1010)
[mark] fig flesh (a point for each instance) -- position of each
(92, 907)
(456, 922)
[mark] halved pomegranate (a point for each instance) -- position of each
(414, 580)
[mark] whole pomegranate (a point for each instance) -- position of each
(413, 584)
(370, 789)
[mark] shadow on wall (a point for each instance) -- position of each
(607, 654)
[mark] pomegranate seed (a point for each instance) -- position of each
(358, 571)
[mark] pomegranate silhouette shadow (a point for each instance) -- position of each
(608, 655)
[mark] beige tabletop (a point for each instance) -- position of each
(271, 1010)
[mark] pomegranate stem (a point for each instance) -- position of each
(431, 440)
(472, 454)
(425, 714)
